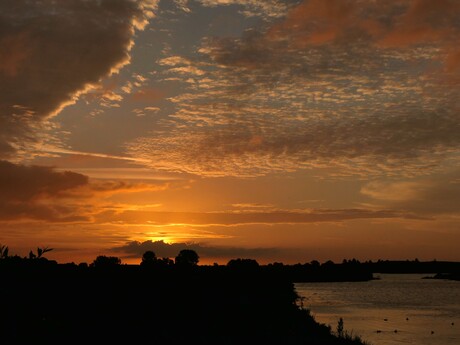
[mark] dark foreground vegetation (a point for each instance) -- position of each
(159, 301)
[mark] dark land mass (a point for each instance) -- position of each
(158, 302)
(354, 270)
(349, 271)
(414, 266)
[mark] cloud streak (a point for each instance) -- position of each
(248, 217)
(433, 197)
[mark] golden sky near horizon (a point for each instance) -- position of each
(279, 130)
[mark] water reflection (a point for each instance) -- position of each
(398, 308)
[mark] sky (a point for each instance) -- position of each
(278, 130)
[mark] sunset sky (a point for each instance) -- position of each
(279, 130)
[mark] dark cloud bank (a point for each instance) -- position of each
(31, 192)
(53, 50)
(162, 249)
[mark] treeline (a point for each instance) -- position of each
(351, 270)
(354, 270)
(412, 266)
(347, 270)
(328, 271)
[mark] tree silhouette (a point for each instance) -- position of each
(243, 264)
(103, 261)
(315, 264)
(340, 332)
(3, 252)
(40, 252)
(187, 257)
(149, 259)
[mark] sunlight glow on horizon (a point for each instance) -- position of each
(285, 130)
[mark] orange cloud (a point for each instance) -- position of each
(395, 24)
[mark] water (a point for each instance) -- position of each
(397, 309)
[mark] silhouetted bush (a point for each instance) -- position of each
(103, 261)
(187, 257)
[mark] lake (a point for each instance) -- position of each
(396, 309)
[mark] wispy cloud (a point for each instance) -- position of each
(432, 196)
(66, 151)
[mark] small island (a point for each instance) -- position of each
(448, 276)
